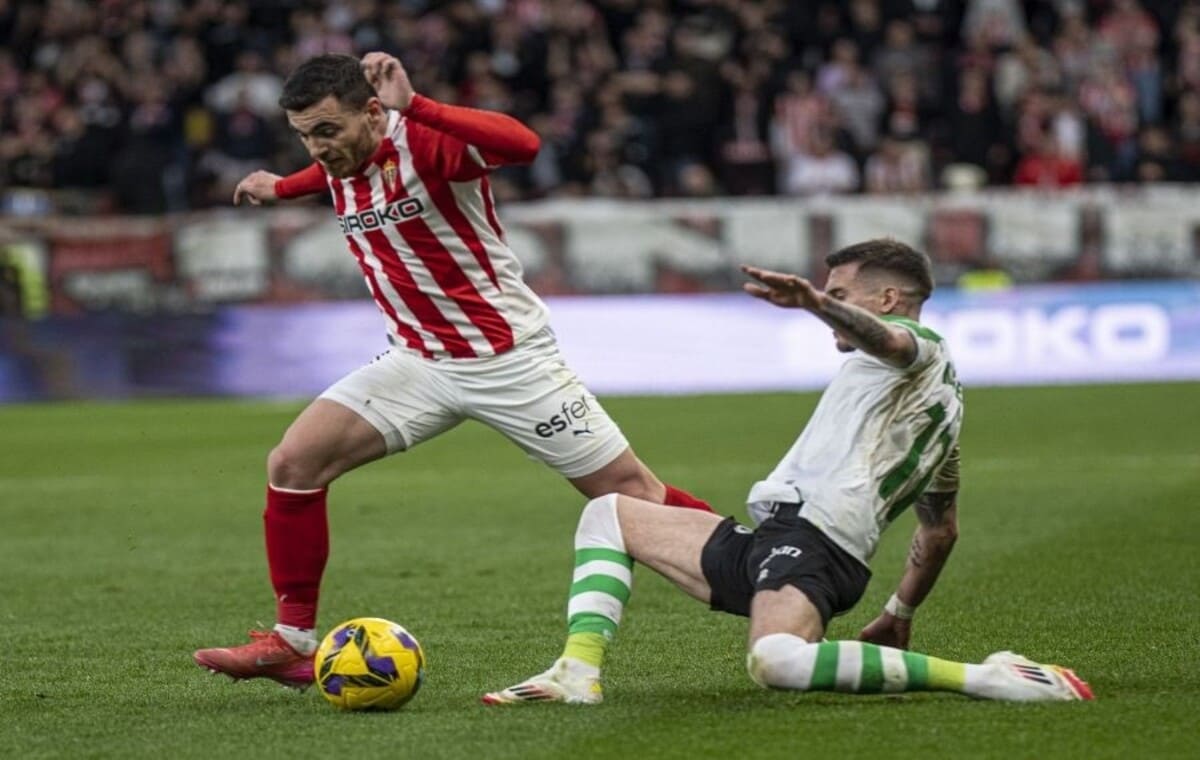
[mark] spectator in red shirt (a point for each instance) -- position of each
(1046, 167)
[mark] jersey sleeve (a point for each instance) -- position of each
(946, 478)
(307, 181)
(451, 157)
(927, 340)
(467, 142)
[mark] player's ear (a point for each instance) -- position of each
(376, 112)
(889, 299)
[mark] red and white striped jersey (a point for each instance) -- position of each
(421, 222)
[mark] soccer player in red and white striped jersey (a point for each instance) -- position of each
(470, 340)
(418, 216)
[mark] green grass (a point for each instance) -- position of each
(130, 535)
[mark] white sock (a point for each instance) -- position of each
(303, 640)
(781, 660)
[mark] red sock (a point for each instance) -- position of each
(679, 498)
(297, 546)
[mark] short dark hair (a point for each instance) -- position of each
(890, 256)
(331, 74)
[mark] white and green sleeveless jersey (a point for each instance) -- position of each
(879, 437)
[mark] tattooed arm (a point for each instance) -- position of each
(937, 530)
(859, 327)
(931, 545)
(932, 542)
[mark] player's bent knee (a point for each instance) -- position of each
(781, 661)
(287, 470)
(598, 524)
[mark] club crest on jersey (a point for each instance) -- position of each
(374, 218)
(389, 175)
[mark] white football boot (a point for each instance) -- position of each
(568, 681)
(1020, 679)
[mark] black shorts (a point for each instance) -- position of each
(785, 550)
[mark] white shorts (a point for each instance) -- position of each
(528, 393)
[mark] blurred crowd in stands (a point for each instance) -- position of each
(160, 105)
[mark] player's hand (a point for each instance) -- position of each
(387, 75)
(257, 188)
(887, 630)
(787, 290)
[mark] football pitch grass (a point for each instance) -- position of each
(130, 535)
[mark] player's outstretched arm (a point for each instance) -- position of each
(862, 329)
(262, 186)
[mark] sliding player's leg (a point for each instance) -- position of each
(797, 593)
(786, 660)
(786, 652)
(613, 532)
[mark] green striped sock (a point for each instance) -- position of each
(602, 582)
(861, 668)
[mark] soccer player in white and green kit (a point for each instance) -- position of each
(883, 438)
